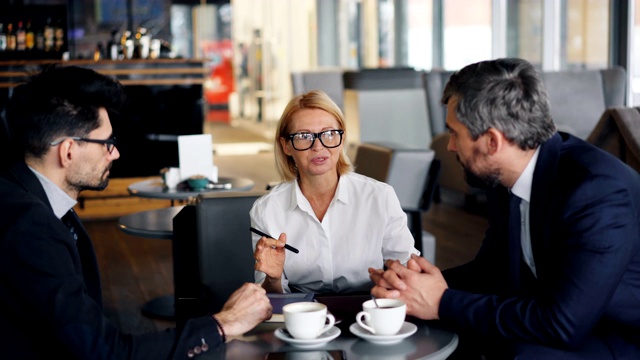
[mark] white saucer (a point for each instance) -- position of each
(324, 338)
(405, 331)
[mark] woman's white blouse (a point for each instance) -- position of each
(364, 226)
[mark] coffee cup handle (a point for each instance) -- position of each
(332, 321)
(366, 316)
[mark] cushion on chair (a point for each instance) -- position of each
(618, 132)
(406, 169)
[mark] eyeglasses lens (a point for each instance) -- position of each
(329, 138)
(111, 144)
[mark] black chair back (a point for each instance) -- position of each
(212, 255)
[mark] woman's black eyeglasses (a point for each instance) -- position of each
(304, 140)
(110, 143)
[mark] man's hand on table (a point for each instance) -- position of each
(420, 285)
(247, 307)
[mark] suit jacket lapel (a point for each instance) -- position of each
(542, 196)
(90, 271)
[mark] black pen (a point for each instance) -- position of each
(286, 246)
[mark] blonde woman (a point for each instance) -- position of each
(341, 222)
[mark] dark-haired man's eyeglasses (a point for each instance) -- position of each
(304, 140)
(110, 143)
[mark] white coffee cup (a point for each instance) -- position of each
(172, 177)
(307, 320)
(387, 319)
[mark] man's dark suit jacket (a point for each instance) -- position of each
(585, 236)
(50, 295)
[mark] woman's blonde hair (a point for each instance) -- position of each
(315, 99)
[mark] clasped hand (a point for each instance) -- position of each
(419, 284)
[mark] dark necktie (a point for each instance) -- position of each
(515, 248)
(70, 220)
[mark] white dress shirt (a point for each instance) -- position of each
(522, 189)
(363, 226)
(59, 200)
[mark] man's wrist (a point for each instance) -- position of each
(220, 329)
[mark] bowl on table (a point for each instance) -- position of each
(198, 182)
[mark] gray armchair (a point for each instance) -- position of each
(579, 97)
(386, 105)
(413, 173)
(327, 80)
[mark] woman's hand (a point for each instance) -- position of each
(270, 256)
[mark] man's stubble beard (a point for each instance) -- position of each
(485, 180)
(104, 182)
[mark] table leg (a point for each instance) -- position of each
(162, 307)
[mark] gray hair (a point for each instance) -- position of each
(504, 94)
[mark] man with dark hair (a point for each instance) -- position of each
(558, 273)
(50, 293)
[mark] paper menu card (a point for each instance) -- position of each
(195, 153)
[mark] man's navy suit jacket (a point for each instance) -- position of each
(585, 237)
(50, 296)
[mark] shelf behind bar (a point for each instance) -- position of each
(128, 72)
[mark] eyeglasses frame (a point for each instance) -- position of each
(110, 143)
(316, 136)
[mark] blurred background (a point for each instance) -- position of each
(252, 46)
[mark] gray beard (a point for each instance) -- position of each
(484, 181)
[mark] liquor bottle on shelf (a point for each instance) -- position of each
(48, 36)
(39, 39)
(21, 38)
(30, 37)
(98, 53)
(127, 45)
(59, 36)
(142, 43)
(113, 46)
(11, 38)
(3, 38)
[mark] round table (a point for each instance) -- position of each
(154, 188)
(430, 341)
(157, 224)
